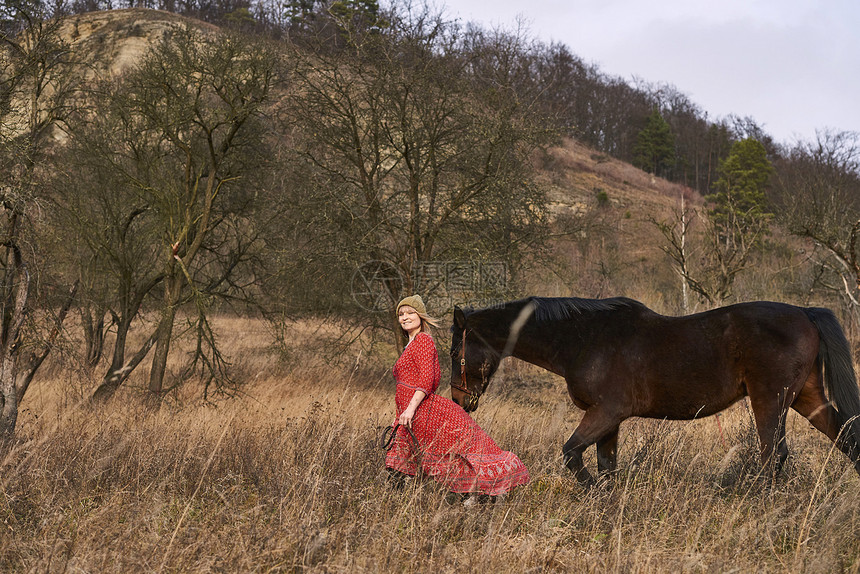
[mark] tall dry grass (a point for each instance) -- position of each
(288, 477)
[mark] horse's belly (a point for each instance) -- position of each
(689, 401)
(687, 414)
(660, 402)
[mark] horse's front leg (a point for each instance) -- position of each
(607, 452)
(572, 453)
(596, 425)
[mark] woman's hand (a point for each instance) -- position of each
(406, 418)
(408, 413)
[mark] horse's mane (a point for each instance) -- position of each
(549, 309)
(560, 308)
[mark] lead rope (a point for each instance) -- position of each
(387, 441)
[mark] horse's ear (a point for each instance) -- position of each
(459, 318)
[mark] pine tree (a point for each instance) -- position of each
(739, 205)
(654, 151)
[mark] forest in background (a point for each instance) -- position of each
(310, 159)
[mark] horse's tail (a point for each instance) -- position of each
(834, 354)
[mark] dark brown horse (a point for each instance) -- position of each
(621, 360)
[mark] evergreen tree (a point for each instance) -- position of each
(654, 151)
(736, 222)
(351, 15)
(739, 206)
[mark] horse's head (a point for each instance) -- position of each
(473, 362)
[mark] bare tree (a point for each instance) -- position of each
(676, 233)
(109, 234)
(36, 82)
(175, 144)
(818, 197)
(416, 140)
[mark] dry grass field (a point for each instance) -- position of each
(288, 478)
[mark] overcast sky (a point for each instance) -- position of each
(792, 65)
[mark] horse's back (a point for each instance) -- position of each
(762, 326)
(696, 365)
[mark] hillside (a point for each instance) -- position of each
(580, 183)
(575, 174)
(572, 173)
(113, 40)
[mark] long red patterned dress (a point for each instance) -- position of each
(454, 449)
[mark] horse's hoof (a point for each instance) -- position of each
(585, 479)
(605, 482)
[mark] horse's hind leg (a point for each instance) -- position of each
(595, 425)
(770, 425)
(813, 405)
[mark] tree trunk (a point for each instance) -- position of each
(162, 350)
(93, 324)
(118, 370)
(117, 364)
(9, 413)
(685, 302)
(115, 377)
(172, 292)
(16, 293)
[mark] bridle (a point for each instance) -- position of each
(471, 400)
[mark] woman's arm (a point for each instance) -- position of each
(409, 412)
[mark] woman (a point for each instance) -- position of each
(453, 448)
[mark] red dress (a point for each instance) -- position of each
(454, 449)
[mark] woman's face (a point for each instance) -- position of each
(409, 319)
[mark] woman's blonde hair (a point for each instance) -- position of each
(417, 303)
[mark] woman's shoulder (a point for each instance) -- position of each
(423, 340)
(424, 337)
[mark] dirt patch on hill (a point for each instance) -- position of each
(578, 177)
(112, 41)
